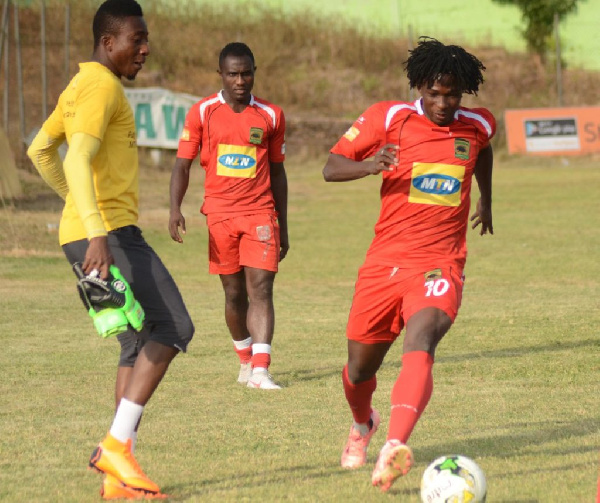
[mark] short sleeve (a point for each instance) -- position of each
(365, 136)
(277, 140)
(191, 135)
(54, 125)
(94, 108)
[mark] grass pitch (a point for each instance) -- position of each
(516, 379)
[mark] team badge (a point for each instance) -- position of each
(462, 148)
(433, 275)
(256, 135)
(263, 232)
(185, 134)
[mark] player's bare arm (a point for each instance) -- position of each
(341, 169)
(180, 180)
(483, 174)
(279, 187)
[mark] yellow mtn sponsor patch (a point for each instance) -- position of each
(185, 135)
(236, 161)
(436, 184)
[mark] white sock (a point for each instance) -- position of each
(242, 344)
(363, 428)
(133, 441)
(126, 419)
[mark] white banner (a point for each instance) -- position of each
(159, 115)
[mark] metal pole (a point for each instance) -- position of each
(67, 39)
(6, 73)
(44, 80)
(4, 25)
(559, 87)
(19, 74)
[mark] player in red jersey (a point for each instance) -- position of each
(241, 141)
(412, 277)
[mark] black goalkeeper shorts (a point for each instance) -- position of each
(167, 319)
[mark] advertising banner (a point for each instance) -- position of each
(553, 131)
(159, 115)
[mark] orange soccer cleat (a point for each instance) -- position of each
(115, 458)
(355, 452)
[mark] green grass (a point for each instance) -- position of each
(516, 379)
(480, 22)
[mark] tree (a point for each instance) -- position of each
(538, 16)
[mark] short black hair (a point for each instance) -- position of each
(431, 60)
(236, 49)
(110, 15)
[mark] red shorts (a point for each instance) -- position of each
(243, 241)
(386, 297)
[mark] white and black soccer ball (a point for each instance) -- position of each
(453, 479)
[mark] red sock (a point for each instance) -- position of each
(262, 360)
(244, 354)
(359, 396)
(410, 394)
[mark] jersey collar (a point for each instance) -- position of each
(222, 100)
(420, 111)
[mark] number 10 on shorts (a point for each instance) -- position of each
(437, 287)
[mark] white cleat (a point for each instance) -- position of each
(262, 380)
(245, 372)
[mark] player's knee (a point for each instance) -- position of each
(185, 330)
(359, 373)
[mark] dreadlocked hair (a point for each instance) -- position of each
(431, 61)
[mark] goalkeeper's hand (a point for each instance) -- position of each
(97, 293)
(109, 302)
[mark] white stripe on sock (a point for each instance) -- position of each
(261, 348)
(246, 343)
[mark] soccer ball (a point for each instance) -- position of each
(453, 479)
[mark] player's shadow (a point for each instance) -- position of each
(309, 374)
(518, 351)
(217, 487)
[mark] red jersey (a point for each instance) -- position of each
(236, 150)
(425, 200)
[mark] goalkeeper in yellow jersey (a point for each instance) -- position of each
(118, 272)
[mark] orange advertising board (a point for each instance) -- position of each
(553, 131)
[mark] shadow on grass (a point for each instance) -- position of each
(524, 350)
(210, 488)
(306, 375)
(516, 443)
(393, 361)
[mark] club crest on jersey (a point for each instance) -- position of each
(433, 275)
(436, 184)
(236, 161)
(352, 133)
(462, 148)
(256, 135)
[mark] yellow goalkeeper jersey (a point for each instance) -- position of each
(94, 103)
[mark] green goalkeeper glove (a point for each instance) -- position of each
(110, 303)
